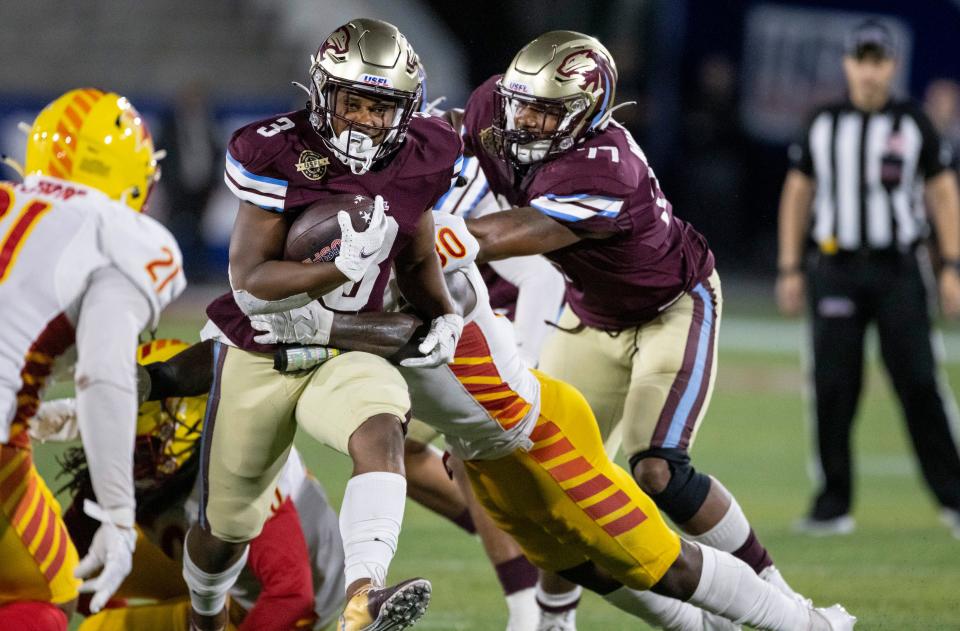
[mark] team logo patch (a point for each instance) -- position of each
(489, 141)
(312, 165)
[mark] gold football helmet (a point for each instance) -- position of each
(373, 59)
(97, 139)
(168, 431)
(558, 89)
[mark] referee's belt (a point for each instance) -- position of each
(870, 253)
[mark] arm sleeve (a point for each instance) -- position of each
(541, 289)
(281, 564)
(935, 154)
(112, 314)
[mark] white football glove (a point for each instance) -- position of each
(440, 344)
(56, 421)
(305, 325)
(358, 250)
(111, 549)
(455, 245)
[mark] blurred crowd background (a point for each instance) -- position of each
(721, 88)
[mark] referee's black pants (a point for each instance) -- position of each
(847, 292)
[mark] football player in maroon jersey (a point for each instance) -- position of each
(359, 134)
(638, 336)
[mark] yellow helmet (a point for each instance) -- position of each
(168, 431)
(97, 139)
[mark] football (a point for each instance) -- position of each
(314, 236)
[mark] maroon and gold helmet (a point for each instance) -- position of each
(568, 77)
(370, 58)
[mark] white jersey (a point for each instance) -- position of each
(54, 235)
(487, 401)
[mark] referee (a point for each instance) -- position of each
(864, 167)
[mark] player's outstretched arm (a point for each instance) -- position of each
(518, 232)
(112, 314)
(258, 269)
(381, 334)
(186, 374)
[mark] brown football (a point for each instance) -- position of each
(314, 236)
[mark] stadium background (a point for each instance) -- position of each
(721, 88)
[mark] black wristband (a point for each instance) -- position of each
(953, 264)
(788, 270)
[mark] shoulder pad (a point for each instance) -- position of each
(604, 165)
(252, 170)
(434, 146)
(146, 253)
(456, 247)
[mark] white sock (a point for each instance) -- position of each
(728, 534)
(208, 592)
(566, 603)
(370, 519)
(772, 575)
(667, 613)
(524, 611)
(730, 588)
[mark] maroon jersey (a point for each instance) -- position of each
(647, 257)
(281, 165)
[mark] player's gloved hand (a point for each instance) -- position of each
(440, 344)
(455, 245)
(305, 325)
(111, 549)
(55, 420)
(358, 250)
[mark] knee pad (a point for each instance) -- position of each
(687, 490)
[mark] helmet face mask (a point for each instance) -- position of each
(530, 129)
(168, 435)
(369, 66)
(558, 90)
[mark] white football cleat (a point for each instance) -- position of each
(836, 618)
(566, 621)
(842, 525)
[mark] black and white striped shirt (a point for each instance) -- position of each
(869, 169)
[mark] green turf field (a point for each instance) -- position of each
(899, 571)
